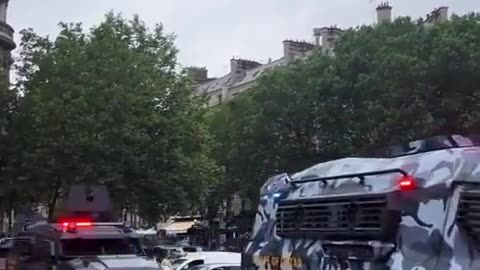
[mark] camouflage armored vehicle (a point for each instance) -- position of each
(416, 208)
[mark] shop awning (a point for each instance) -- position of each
(179, 227)
(150, 231)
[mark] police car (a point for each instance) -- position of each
(82, 238)
(78, 244)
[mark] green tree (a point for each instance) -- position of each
(11, 147)
(109, 106)
(385, 84)
(7, 102)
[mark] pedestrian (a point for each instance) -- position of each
(213, 245)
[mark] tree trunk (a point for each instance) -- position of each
(10, 210)
(2, 215)
(52, 200)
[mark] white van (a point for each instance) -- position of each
(207, 257)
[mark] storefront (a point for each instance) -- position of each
(237, 231)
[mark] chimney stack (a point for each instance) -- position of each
(384, 13)
(197, 74)
(241, 65)
(439, 15)
(442, 14)
(293, 50)
(326, 37)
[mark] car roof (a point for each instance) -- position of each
(216, 256)
(222, 264)
(104, 231)
(168, 247)
(6, 243)
(216, 265)
(211, 253)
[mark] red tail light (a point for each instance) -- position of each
(407, 183)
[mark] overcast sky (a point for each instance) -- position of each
(210, 32)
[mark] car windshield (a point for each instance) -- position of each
(199, 267)
(158, 251)
(6, 243)
(176, 263)
(95, 247)
(190, 249)
(5, 246)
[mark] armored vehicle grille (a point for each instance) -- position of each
(346, 251)
(468, 214)
(365, 217)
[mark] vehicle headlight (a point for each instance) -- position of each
(276, 187)
(165, 264)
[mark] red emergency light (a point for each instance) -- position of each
(84, 224)
(74, 225)
(407, 183)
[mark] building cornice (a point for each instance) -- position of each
(6, 36)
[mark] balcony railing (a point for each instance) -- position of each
(6, 36)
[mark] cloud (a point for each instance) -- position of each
(210, 32)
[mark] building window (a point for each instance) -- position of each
(219, 98)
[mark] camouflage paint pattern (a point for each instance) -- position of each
(428, 237)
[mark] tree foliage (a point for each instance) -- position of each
(386, 84)
(109, 106)
(9, 147)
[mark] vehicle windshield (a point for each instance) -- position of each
(189, 249)
(176, 263)
(5, 246)
(199, 267)
(95, 247)
(6, 243)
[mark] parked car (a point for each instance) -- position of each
(201, 258)
(217, 266)
(190, 249)
(164, 252)
(5, 246)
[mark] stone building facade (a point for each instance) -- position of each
(7, 43)
(244, 73)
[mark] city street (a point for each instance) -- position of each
(228, 135)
